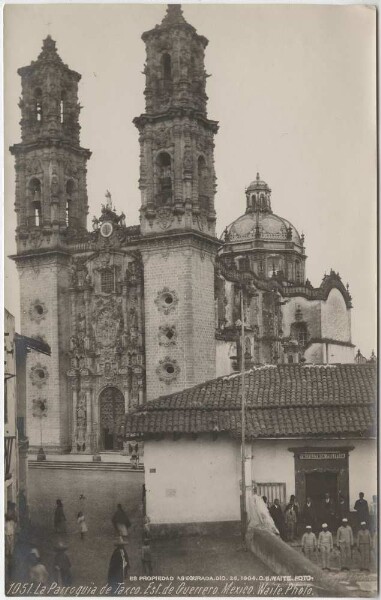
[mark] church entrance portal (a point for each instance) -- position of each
(111, 407)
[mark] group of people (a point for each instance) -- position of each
(344, 541)
(321, 520)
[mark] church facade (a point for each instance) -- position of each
(133, 312)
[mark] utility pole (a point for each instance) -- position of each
(243, 420)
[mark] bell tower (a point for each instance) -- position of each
(51, 207)
(177, 215)
(177, 178)
(51, 192)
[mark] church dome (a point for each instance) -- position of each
(263, 226)
(259, 222)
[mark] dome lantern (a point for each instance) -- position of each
(258, 196)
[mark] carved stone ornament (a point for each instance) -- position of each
(37, 310)
(39, 407)
(167, 335)
(164, 217)
(168, 369)
(39, 375)
(107, 325)
(166, 300)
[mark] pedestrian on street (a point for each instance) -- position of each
(291, 517)
(342, 510)
(147, 557)
(373, 514)
(38, 572)
(118, 567)
(146, 527)
(59, 518)
(362, 509)
(121, 522)
(62, 565)
(278, 518)
(328, 512)
(364, 543)
(9, 531)
(309, 543)
(325, 546)
(82, 525)
(309, 514)
(344, 541)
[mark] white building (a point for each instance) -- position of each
(309, 429)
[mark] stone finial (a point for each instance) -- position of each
(49, 50)
(258, 178)
(109, 200)
(174, 14)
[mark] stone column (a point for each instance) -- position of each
(74, 415)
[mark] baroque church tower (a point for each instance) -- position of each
(177, 183)
(51, 205)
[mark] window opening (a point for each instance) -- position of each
(38, 98)
(107, 281)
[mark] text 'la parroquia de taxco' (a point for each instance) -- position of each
(161, 369)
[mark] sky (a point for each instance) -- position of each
(293, 88)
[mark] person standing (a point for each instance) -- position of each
(309, 514)
(362, 509)
(82, 525)
(364, 543)
(291, 521)
(325, 546)
(146, 557)
(278, 518)
(62, 565)
(38, 572)
(118, 566)
(121, 522)
(59, 518)
(344, 542)
(328, 510)
(342, 511)
(309, 543)
(373, 514)
(9, 535)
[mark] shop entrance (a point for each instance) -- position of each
(318, 483)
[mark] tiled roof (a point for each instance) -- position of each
(281, 401)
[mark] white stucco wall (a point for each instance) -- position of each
(335, 318)
(224, 350)
(195, 480)
(272, 462)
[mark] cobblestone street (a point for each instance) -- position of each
(90, 558)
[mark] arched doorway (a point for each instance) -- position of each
(111, 408)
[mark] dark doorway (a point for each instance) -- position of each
(111, 408)
(318, 483)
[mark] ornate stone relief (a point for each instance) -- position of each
(37, 310)
(39, 407)
(39, 375)
(166, 300)
(167, 335)
(164, 217)
(168, 369)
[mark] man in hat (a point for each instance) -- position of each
(344, 542)
(325, 546)
(119, 565)
(309, 543)
(364, 542)
(362, 509)
(62, 565)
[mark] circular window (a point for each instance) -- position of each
(40, 373)
(168, 369)
(39, 310)
(169, 334)
(166, 300)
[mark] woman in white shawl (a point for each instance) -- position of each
(258, 515)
